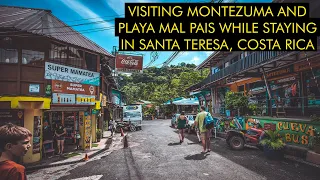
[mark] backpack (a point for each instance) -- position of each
(208, 122)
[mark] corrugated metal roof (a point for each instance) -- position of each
(43, 22)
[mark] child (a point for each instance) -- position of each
(78, 139)
(14, 143)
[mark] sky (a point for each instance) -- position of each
(81, 11)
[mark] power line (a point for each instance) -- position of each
(68, 26)
(60, 34)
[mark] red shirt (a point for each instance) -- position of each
(10, 170)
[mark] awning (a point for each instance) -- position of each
(63, 108)
(187, 102)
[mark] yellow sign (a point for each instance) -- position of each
(87, 132)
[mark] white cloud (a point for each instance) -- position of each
(195, 60)
(185, 53)
(208, 53)
(86, 13)
(116, 5)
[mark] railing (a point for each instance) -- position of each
(249, 61)
(292, 106)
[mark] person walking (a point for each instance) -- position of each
(181, 125)
(60, 133)
(15, 141)
(204, 133)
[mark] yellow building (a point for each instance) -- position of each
(27, 112)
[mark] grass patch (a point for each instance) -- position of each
(95, 145)
(71, 155)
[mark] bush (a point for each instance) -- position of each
(236, 100)
(273, 140)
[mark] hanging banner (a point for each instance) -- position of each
(72, 88)
(71, 74)
(87, 132)
(128, 63)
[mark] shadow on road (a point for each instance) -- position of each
(193, 143)
(200, 156)
(174, 144)
(254, 160)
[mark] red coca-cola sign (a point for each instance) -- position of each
(129, 63)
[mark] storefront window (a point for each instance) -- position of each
(8, 55)
(91, 61)
(32, 57)
(75, 57)
(286, 93)
(58, 53)
(70, 123)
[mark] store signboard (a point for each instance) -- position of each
(128, 63)
(85, 99)
(72, 88)
(104, 101)
(306, 66)
(116, 97)
(288, 79)
(87, 132)
(60, 98)
(14, 116)
(71, 74)
(279, 73)
(34, 88)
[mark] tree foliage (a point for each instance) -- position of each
(161, 84)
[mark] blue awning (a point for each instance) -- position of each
(187, 101)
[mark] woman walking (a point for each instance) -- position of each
(181, 125)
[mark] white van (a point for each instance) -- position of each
(133, 113)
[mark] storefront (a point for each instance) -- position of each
(309, 72)
(74, 104)
(285, 91)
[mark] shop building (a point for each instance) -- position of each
(30, 94)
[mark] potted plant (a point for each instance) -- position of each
(315, 142)
(99, 135)
(273, 146)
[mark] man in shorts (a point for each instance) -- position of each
(204, 133)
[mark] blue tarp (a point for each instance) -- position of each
(183, 101)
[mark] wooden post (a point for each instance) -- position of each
(268, 90)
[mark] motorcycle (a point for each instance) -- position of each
(126, 126)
